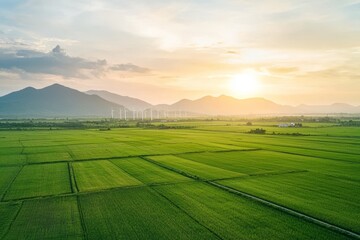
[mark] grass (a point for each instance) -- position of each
(40, 180)
(239, 161)
(200, 170)
(12, 160)
(137, 213)
(147, 172)
(49, 157)
(332, 199)
(258, 162)
(7, 213)
(93, 175)
(53, 218)
(132, 182)
(232, 217)
(7, 174)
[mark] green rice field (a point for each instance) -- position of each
(210, 180)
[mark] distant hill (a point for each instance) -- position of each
(128, 102)
(59, 101)
(54, 101)
(333, 108)
(225, 105)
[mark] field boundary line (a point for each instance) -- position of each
(11, 183)
(268, 135)
(281, 145)
(140, 156)
(72, 178)
(290, 211)
(308, 155)
(22, 152)
(70, 152)
(73, 174)
(284, 209)
(81, 215)
(261, 175)
(12, 222)
(186, 213)
(96, 191)
(17, 174)
(118, 167)
(173, 169)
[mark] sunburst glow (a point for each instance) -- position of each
(245, 84)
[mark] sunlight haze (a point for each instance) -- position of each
(163, 51)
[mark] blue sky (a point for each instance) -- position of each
(162, 51)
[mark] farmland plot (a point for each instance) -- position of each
(254, 162)
(148, 172)
(137, 213)
(48, 157)
(52, 218)
(102, 150)
(233, 217)
(40, 180)
(194, 168)
(7, 174)
(12, 160)
(326, 197)
(239, 161)
(101, 174)
(7, 212)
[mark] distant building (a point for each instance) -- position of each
(285, 125)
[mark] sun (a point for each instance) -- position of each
(245, 84)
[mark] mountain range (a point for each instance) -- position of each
(60, 101)
(129, 102)
(54, 101)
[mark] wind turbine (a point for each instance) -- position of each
(120, 113)
(112, 113)
(125, 113)
(151, 116)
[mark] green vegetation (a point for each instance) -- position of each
(7, 213)
(198, 170)
(53, 218)
(40, 180)
(232, 217)
(319, 195)
(147, 172)
(137, 213)
(155, 180)
(7, 174)
(101, 175)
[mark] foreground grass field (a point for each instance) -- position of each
(135, 183)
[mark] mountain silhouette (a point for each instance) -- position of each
(54, 101)
(60, 101)
(129, 102)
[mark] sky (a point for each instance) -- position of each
(288, 51)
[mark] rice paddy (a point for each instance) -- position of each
(134, 183)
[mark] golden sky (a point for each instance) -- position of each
(288, 51)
